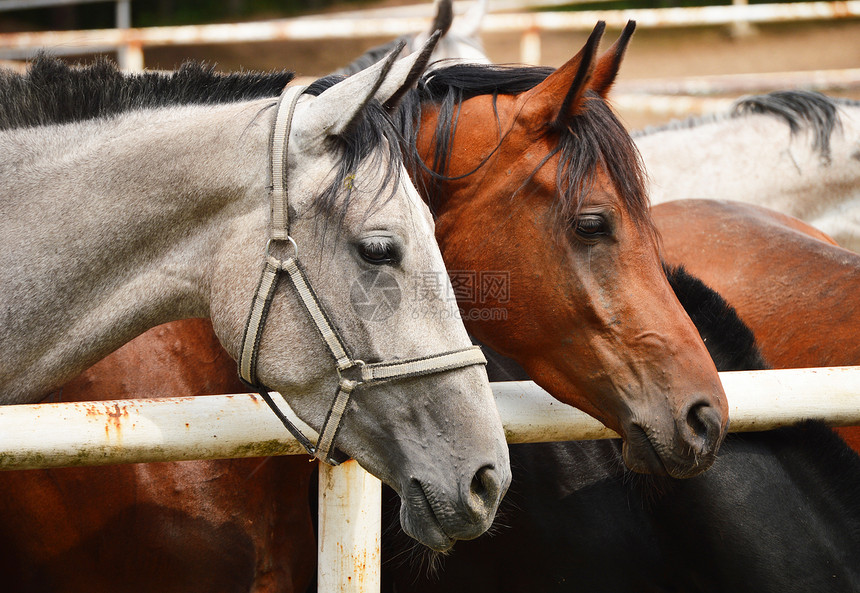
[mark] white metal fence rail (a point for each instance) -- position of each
(222, 426)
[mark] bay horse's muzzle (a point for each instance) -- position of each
(684, 449)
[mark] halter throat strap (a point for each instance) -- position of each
(352, 372)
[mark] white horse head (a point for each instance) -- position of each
(117, 224)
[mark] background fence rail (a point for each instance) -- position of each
(529, 24)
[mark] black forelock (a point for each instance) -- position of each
(370, 129)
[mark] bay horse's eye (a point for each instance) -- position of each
(378, 251)
(591, 225)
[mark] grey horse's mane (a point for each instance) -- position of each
(52, 92)
(798, 109)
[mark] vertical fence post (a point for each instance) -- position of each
(530, 47)
(350, 520)
(741, 28)
(130, 56)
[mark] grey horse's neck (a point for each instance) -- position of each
(110, 227)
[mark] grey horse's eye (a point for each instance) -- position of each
(379, 251)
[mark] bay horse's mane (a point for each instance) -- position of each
(799, 110)
(53, 92)
(594, 137)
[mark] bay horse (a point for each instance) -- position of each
(778, 511)
(529, 173)
(787, 280)
(156, 209)
(791, 151)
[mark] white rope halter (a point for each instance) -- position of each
(351, 372)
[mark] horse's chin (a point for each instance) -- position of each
(419, 522)
(643, 456)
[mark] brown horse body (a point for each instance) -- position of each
(240, 525)
(789, 282)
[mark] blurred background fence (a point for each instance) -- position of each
(685, 59)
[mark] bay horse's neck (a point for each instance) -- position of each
(112, 227)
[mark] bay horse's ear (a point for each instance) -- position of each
(560, 96)
(607, 66)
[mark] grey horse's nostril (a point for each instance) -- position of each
(484, 491)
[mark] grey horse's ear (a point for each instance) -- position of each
(396, 85)
(335, 108)
(469, 25)
(444, 17)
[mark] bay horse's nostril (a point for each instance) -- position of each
(702, 428)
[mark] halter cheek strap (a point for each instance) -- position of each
(351, 372)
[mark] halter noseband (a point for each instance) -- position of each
(351, 372)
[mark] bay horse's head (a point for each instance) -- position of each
(535, 179)
(359, 336)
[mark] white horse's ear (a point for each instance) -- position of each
(443, 18)
(441, 22)
(334, 110)
(405, 73)
(469, 25)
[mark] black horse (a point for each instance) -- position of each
(778, 512)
